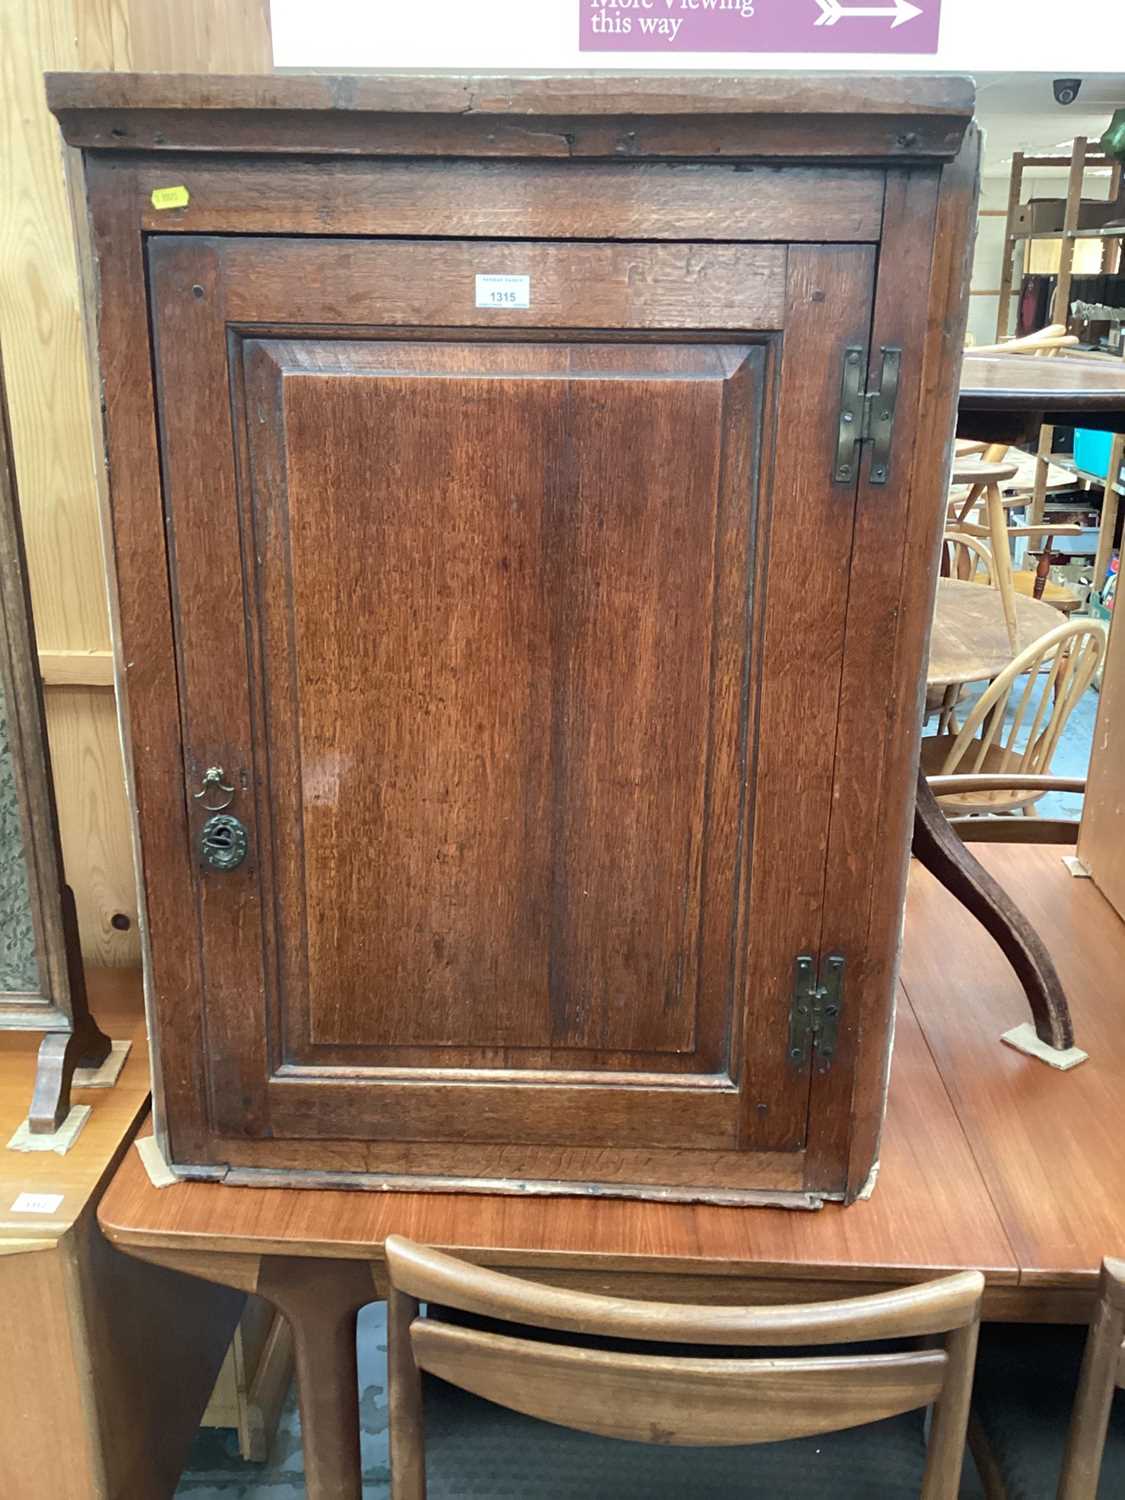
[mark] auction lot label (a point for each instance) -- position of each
(810, 26)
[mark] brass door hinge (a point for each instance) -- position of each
(814, 1017)
(867, 418)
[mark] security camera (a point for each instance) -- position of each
(1067, 90)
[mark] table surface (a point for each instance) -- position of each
(991, 1160)
(1019, 382)
(115, 1000)
(970, 638)
(1049, 1145)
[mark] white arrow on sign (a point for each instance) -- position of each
(832, 11)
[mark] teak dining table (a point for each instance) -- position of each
(990, 1161)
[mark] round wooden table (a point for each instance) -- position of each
(970, 639)
(1007, 397)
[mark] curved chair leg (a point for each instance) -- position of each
(940, 850)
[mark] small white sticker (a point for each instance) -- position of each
(37, 1203)
(504, 291)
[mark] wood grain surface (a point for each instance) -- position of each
(993, 1127)
(428, 283)
(701, 1402)
(1011, 382)
(418, 91)
(929, 1213)
(650, 1395)
(970, 639)
(115, 1001)
(135, 529)
(926, 234)
(278, 1067)
(528, 115)
(576, 587)
(551, 200)
(262, 1073)
(1048, 1144)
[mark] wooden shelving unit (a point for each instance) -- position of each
(1078, 163)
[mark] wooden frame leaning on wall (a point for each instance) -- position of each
(57, 1002)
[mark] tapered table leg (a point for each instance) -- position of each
(938, 848)
(320, 1299)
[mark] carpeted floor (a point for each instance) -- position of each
(215, 1471)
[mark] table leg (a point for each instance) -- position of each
(321, 1299)
(938, 848)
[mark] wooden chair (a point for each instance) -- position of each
(1026, 1394)
(985, 480)
(1103, 1373)
(1047, 343)
(974, 829)
(967, 558)
(1057, 669)
(702, 1400)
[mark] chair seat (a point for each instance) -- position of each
(476, 1449)
(1058, 594)
(935, 749)
(972, 472)
(1053, 593)
(1023, 1397)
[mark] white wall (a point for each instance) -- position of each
(987, 35)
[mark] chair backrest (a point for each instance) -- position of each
(1103, 1371)
(966, 557)
(1055, 670)
(1046, 343)
(666, 1398)
(989, 453)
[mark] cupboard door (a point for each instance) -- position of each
(517, 632)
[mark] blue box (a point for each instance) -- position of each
(1091, 451)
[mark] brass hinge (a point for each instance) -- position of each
(867, 418)
(814, 1017)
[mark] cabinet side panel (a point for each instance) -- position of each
(921, 307)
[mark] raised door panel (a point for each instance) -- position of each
(504, 745)
(502, 628)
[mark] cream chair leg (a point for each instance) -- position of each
(946, 723)
(1042, 472)
(1002, 560)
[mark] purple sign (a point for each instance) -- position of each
(810, 26)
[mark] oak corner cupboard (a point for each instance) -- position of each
(525, 496)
